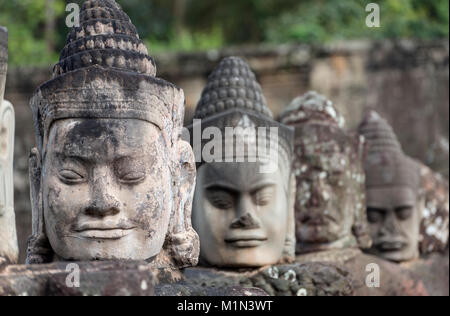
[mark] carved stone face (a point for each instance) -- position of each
(107, 189)
(327, 189)
(394, 217)
(240, 214)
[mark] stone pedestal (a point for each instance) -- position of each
(394, 279)
(95, 279)
(308, 279)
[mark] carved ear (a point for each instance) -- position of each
(290, 243)
(183, 242)
(360, 227)
(39, 249)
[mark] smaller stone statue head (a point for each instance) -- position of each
(329, 206)
(242, 206)
(8, 238)
(111, 177)
(394, 202)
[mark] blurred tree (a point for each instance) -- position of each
(38, 31)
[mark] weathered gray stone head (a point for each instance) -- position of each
(8, 238)
(111, 177)
(242, 206)
(394, 202)
(329, 206)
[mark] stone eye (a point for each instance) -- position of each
(404, 213)
(70, 176)
(133, 177)
(264, 196)
(374, 215)
(221, 199)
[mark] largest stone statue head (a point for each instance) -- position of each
(242, 206)
(394, 199)
(8, 238)
(111, 177)
(329, 209)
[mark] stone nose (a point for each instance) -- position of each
(319, 195)
(245, 215)
(102, 206)
(104, 201)
(391, 225)
(246, 221)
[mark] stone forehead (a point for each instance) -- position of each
(232, 85)
(312, 107)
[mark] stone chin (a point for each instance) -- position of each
(244, 258)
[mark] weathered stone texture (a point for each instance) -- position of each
(306, 279)
(411, 93)
(96, 279)
(394, 279)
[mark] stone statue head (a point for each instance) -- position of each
(394, 202)
(8, 238)
(242, 206)
(329, 205)
(111, 177)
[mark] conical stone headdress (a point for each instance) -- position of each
(312, 108)
(233, 98)
(386, 164)
(105, 72)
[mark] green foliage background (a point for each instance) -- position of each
(211, 24)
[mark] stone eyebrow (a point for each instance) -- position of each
(221, 185)
(79, 158)
(262, 185)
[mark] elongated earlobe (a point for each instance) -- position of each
(39, 250)
(289, 246)
(182, 241)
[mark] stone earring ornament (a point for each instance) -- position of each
(9, 251)
(110, 177)
(242, 212)
(329, 206)
(394, 202)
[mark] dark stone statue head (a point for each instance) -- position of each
(111, 177)
(243, 207)
(394, 202)
(329, 205)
